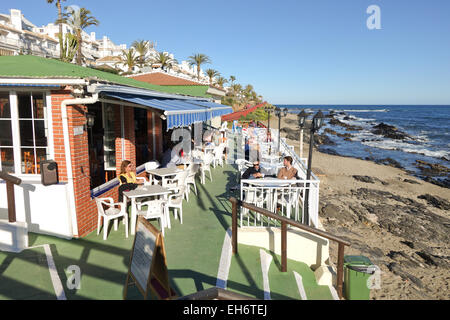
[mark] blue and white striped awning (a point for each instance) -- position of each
(179, 113)
(217, 109)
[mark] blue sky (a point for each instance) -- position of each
(292, 51)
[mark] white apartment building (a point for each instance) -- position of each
(18, 36)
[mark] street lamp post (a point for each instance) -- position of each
(269, 110)
(280, 113)
(301, 123)
(316, 124)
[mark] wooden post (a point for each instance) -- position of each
(234, 226)
(283, 246)
(340, 270)
(11, 201)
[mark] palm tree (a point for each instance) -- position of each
(79, 20)
(141, 48)
(221, 81)
(232, 79)
(70, 48)
(198, 60)
(164, 60)
(212, 74)
(129, 58)
(60, 38)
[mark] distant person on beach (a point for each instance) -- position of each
(288, 172)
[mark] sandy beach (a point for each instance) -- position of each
(400, 222)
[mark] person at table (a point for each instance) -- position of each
(170, 158)
(127, 178)
(253, 172)
(288, 172)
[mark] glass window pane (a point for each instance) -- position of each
(5, 133)
(24, 102)
(39, 133)
(28, 165)
(38, 105)
(26, 132)
(41, 156)
(5, 111)
(7, 160)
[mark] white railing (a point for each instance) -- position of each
(236, 150)
(27, 46)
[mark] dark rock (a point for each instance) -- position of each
(444, 183)
(389, 162)
(407, 218)
(329, 151)
(428, 168)
(323, 139)
(411, 181)
(435, 201)
(390, 132)
(427, 258)
(365, 179)
(337, 122)
(395, 254)
(395, 268)
(408, 243)
(368, 179)
(345, 135)
(330, 131)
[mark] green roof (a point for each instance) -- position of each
(27, 66)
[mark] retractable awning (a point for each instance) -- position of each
(179, 113)
(217, 109)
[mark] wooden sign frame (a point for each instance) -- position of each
(158, 275)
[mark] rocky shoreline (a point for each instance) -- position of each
(400, 222)
(433, 173)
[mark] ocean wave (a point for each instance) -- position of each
(407, 147)
(378, 110)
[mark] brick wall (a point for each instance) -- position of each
(86, 209)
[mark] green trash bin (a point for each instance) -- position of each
(357, 270)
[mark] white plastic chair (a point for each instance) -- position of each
(156, 209)
(176, 182)
(151, 165)
(176, 202)
(243, 165)
(218, 156)
(111, 213)
(206, 166)
(190, 179)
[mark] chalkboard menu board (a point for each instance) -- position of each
(142, 255)
(148, 266)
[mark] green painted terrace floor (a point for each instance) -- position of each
(193, 252)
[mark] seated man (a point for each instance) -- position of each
(170, 159)
(288, 172)
(253, 172)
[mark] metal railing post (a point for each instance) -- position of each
(234, 227)
(283, 246)
(340, 270)
(10, 182)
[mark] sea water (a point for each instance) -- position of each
(428, 126)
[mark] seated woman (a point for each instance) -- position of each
(127, 178)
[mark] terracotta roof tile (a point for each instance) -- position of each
(164, 79)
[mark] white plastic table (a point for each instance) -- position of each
(142, 192)
(163, 173)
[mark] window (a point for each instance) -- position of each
(109, 137)
(6, 140)
(33, 131)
